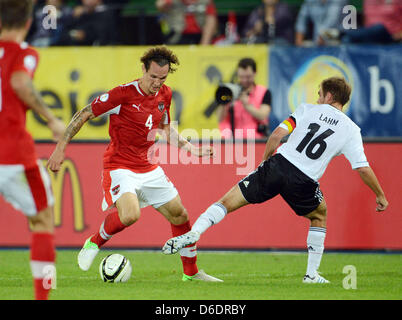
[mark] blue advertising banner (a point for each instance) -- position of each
(375, 73)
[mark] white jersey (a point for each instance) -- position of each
(322, 132)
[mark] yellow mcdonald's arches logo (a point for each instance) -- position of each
(305, 83)
(58, 185)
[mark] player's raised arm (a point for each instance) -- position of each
(24, 88)
(57, 157)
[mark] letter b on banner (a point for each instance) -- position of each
(376, 84)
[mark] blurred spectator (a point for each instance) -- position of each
(382, 24)
(188, 21)
(44, 35)
(231, 35)
(250, 110)
(272, 21)
(322, 14)
(94, 24)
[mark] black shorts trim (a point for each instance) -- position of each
(278, 176)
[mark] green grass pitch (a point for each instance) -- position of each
(246, 275)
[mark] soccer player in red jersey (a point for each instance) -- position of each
(23, 180)
(130, 178)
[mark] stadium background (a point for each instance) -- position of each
(69, 78)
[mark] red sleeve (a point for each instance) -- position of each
(109, 100)
(211, 9)
(27, 61)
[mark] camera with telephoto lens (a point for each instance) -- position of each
(227, 92)
(230, 92)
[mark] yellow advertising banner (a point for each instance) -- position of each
(70, 78)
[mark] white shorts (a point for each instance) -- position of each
(27, 190)
(152, 188)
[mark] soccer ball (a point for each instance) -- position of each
(115, 268)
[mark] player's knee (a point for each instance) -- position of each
(130, 218)
(129, 215)
(321, 220)
(319, 216)
(43, 221)
(128, 208)
(322, 211)
(227, 203)
(179, 216)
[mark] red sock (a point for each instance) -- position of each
(188, 254)
(42, 264)
(109, 227)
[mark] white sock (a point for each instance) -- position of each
(315, 248)
(213, 215)
(189, 252)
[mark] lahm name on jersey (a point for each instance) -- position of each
(328, 120)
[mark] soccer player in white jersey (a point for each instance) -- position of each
(317, 134)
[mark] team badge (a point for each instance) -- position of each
(161, 106)
(104, 97)
(116, 190)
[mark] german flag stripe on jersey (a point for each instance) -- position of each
(290, 123)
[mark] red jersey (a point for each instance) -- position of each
(191, 22)
(133, 117)
(16, 144)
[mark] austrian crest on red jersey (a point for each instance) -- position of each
(161, 106)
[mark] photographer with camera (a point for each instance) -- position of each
(244, 106)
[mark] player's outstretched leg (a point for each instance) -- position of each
(175, 244)
(231, 201)
(213, 215)
(177, 215)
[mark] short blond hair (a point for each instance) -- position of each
(339, 89)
